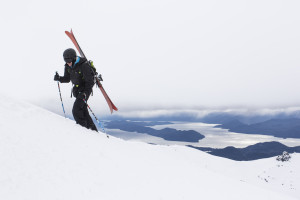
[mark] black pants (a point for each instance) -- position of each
(81, 114)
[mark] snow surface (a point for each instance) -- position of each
(45, 156)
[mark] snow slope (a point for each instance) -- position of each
(44, 156)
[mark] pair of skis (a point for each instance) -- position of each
(112, 107)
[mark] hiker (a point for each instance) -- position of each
(78, 71)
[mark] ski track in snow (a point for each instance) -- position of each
(45, 156)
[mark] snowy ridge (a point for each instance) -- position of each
(44, 156)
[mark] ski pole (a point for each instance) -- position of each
(101, 125)
(62, 104)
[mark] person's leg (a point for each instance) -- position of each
(90, 123)
(79, 112)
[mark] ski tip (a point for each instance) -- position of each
(69, 32)
(114, 108)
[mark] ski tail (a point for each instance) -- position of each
(111, 105)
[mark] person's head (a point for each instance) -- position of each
(69, 56)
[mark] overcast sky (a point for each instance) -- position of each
(158, 53)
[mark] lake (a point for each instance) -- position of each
(214, 137)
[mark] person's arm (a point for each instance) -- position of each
(66, 77)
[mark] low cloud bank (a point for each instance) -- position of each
(246, 115)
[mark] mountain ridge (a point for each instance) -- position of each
(252, 152)
(284, 128)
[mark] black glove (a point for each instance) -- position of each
(56, 77)
(81, 95)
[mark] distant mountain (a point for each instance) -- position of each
(253, 152)
(166, 133)
(285, 128)
(225, 117)
(219, 118)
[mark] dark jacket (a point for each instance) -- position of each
(81, 76)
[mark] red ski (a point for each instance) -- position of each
(109, 102)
